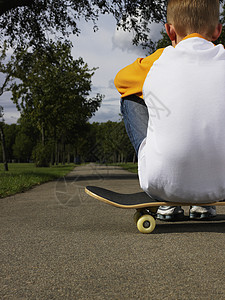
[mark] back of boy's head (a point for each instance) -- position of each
(193, 16)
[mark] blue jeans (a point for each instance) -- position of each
(135, 116)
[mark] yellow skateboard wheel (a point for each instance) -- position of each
(146, 224)
(137, 215)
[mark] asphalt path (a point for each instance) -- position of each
(56, 242)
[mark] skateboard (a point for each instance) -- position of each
(145, 216)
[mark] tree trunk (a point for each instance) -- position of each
(52, 157)
(42, 135)
(4, 149)
(63, 153)
(56, 153)
(68, 157)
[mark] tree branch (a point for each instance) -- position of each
(6, 5)
(4, 84)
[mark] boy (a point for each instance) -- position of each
(173, 105)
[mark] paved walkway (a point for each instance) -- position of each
(58, 243)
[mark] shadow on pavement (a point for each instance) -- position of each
(100, 177)
(113, 225)
(216, 226)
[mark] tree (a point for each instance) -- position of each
(22, 148)
(2, 89)
(32, 20)
(7, 5)
(2, 135)
(5, 67)
(106, 142)
(54, 90)
(24, 21)
(10, 132)
(164, 41)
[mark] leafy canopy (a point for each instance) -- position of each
(32, 20)
(53, 91)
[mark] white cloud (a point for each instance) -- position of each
(155, 28)
(111, 84)
(109, 111)
(123, 39)
(97, 50)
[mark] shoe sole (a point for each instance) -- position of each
(168, 218)
(201, 216)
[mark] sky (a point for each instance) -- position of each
(108, 49)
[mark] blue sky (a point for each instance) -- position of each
(108, 49)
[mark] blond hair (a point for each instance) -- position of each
(189, 16)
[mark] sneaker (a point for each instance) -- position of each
(170, 213)
(202, 212)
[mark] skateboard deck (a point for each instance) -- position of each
(145, 205)
(136, 200)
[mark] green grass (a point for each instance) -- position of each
(22, 177)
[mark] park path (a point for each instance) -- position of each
(58, 243)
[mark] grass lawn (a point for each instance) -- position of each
(22, 177)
